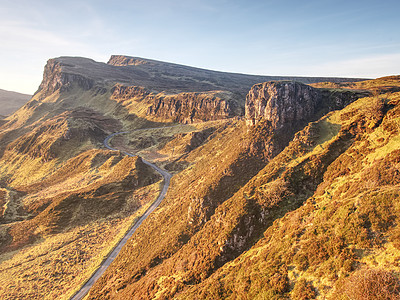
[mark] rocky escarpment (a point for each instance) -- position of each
(278, 109)
(181, 93)
(290, 104)
(180, 107)
(123, 92)
(281, 103)
(193, 107)
(56, 78)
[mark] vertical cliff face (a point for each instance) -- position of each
(281, 103)
(193, 107)
(122, 92)
(56, 78)
(181, 93)
(180, 107)
(278, 109)
(287, 105)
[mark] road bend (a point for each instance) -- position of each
(113, 254)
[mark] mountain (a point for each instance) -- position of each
(11, 101)
(155, 90)
(282, 187)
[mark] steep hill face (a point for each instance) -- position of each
(11, 101)
(183, 107)
(284, 107)
(198, 239)
(281, 103)
(342, 242)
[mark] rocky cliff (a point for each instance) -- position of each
(55, 78)
(278, 109)
(181, 107)
(290, 104)
(281, 102)
(122, 92)
(180, 93)
(194, 107)
(122, 60)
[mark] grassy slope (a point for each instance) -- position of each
(348, 223)
(237, 154)
(57, 264)
(208, 218)
(195, 254)
(58, 190)
(65, 202)
(75, 216)
(383, 84)
(194, 195)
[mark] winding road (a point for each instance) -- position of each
(96, 275)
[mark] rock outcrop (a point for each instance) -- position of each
(122, 60)
(55, 78)
(180, 93)
(278, 109)
(123, 92)
(193, 107)
(180, 107)
(281, 103)
(287, 105)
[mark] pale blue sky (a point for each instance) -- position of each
(273, 37)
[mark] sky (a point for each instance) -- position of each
(350, 38)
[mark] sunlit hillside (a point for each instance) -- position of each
(281, 188)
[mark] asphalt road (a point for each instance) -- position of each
(167, 177)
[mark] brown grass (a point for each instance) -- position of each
(371, 284)
(55, 266)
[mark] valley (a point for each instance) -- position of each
(278, 187)
(115, 251)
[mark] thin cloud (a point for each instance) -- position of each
(18, 36)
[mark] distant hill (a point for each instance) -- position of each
(11, 101)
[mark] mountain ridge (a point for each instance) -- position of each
(126, 60)
(142, 71)
(168, 83)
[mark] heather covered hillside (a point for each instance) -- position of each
(319, 219)
(338, 181)
(281, 188)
